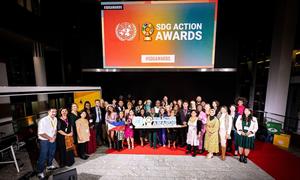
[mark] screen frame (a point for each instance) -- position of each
(210, 68)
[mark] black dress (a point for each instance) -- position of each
(72, 119)
(66, 156)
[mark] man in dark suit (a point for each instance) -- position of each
(184, 115)
(120, 106)
(99, 120)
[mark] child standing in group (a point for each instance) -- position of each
(129, 129)
(194, 133)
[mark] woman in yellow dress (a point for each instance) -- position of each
(211, 143)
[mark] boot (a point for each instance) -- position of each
(194, 151)
(241, 158)
(223, 149)
(228, 148)
(188, 149)
(245, 159)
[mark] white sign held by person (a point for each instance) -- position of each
(139, 121)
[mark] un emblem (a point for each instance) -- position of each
(125, 31)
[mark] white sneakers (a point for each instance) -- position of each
(49, 168)
(41, 175)
(209, 155)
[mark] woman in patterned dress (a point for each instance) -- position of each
(211, 142)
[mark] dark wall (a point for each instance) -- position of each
(155, 85)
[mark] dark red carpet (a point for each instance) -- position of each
(279, 163)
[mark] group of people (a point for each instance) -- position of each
(204, 127)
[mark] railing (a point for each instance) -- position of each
(289, 124)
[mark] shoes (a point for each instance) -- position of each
(241, 158)
(41, 175)
(84, 157)
(50, 168)
(223, 156)
(209, 156)
(245, 159)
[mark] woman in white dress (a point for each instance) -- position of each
(194, 133)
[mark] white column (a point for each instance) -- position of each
(39, 69)
(281, 58)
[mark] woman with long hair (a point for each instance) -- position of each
(215, 105)
(225, 129)
(246, 126)
(129, 133)
(194, 133)
(73, 116)
(65, 139)
(142, 132)
(110, 117)
(92, 143)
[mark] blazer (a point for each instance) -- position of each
(94, 114)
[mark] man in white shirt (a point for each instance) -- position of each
(47, 127)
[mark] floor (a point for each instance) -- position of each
(128, 166)
(267, 162)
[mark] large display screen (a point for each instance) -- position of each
(159, 34)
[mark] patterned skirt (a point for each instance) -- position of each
(245, 142)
